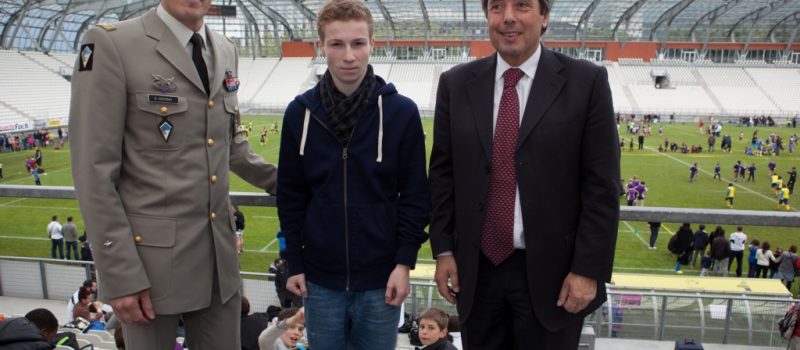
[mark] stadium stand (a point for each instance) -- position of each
(29, 87)
(284, 83)
(253, 73)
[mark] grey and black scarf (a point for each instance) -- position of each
(342, 110)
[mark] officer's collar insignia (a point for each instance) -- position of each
(164, 85)
(87, 57)
(165, 127)
(231, 83)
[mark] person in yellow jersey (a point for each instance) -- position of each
(774, 183)
(783, 199)
(730, 193)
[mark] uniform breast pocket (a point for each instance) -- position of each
(159, 121)
(232, 114)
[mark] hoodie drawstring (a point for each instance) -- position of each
(380, 129)
(305, 132)
(307, 118)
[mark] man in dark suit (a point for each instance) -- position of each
(524, 180)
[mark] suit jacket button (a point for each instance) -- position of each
(213, 179)
(213, 216)
(210, 142)
(137, 238)
(210, 104)
(164, 110)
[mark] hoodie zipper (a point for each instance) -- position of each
(345, 150)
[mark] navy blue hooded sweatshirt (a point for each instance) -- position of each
(351, 214)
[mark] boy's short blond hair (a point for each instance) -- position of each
(343, 10)
(437, 316)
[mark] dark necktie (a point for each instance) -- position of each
(497, 233)
(199, 62)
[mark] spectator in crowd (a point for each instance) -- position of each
(738, 241)
(763, 257)
(654, 228)
(37, 179)
(56, 238)
(721, 252)
(239, 220)
(252, 325)
(351, 266)
(85, 307)
(38, 157)
(287, 333)
(1, 172)
(682, 248)
(70, 233)
(788, 263)
(700, 243)
(86, 248)
(89, 284)
(755, 245)
(32, 332)
(433, 329)
(705, 263)
(776, 262)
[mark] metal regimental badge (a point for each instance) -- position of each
(231, 83)
(165, 127)
(164, 85)
(87, 57)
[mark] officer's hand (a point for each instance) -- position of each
(134, 309)
(398, 286)
(576, 293)
(446, 271)
(297, 285)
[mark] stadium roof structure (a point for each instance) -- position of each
(56, 25)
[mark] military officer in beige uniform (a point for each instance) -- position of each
(153, 141)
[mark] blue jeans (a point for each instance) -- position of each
(339, 320)
(57, 244)
(72, 247)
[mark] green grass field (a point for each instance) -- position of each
(23, 221)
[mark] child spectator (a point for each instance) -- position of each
(86, 248)
(34, 331)
(763, 258)
(252, 325)
(433, 324)
(286, 333)
(751, 258)
(705, 263)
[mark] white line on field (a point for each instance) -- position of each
(268, 244)
(636, 233)
(25, 238)
(12, 202)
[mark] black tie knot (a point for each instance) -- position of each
(196, 40)
(512, 76)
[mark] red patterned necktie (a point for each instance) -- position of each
(497, 233)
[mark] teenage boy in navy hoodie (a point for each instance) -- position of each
(353, 200)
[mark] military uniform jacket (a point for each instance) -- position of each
(157, 211)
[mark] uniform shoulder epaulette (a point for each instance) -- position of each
(107, 26)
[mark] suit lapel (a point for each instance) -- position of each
(220, 57)
(169, 47)
(547, 84)
(480, 93)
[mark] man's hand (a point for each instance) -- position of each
(576, 293)
(398, 287)
(135, 308)
(297, 285)
(446, 271)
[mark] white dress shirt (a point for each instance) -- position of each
(523, 91)
(183, 33)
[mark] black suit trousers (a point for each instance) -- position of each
(502, 315)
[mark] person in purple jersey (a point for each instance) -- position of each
(736, 170)
(693, 173)
(751, 173)
(717, 175)
(631, 195)
(633, 183)
(771, 167)
(641, 191)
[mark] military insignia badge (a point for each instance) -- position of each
(87, 57)
(231, 83)
(164, 85)
(165, 128)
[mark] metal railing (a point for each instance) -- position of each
(727, 319)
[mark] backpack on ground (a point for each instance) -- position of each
(787, 324)
(688, 344)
